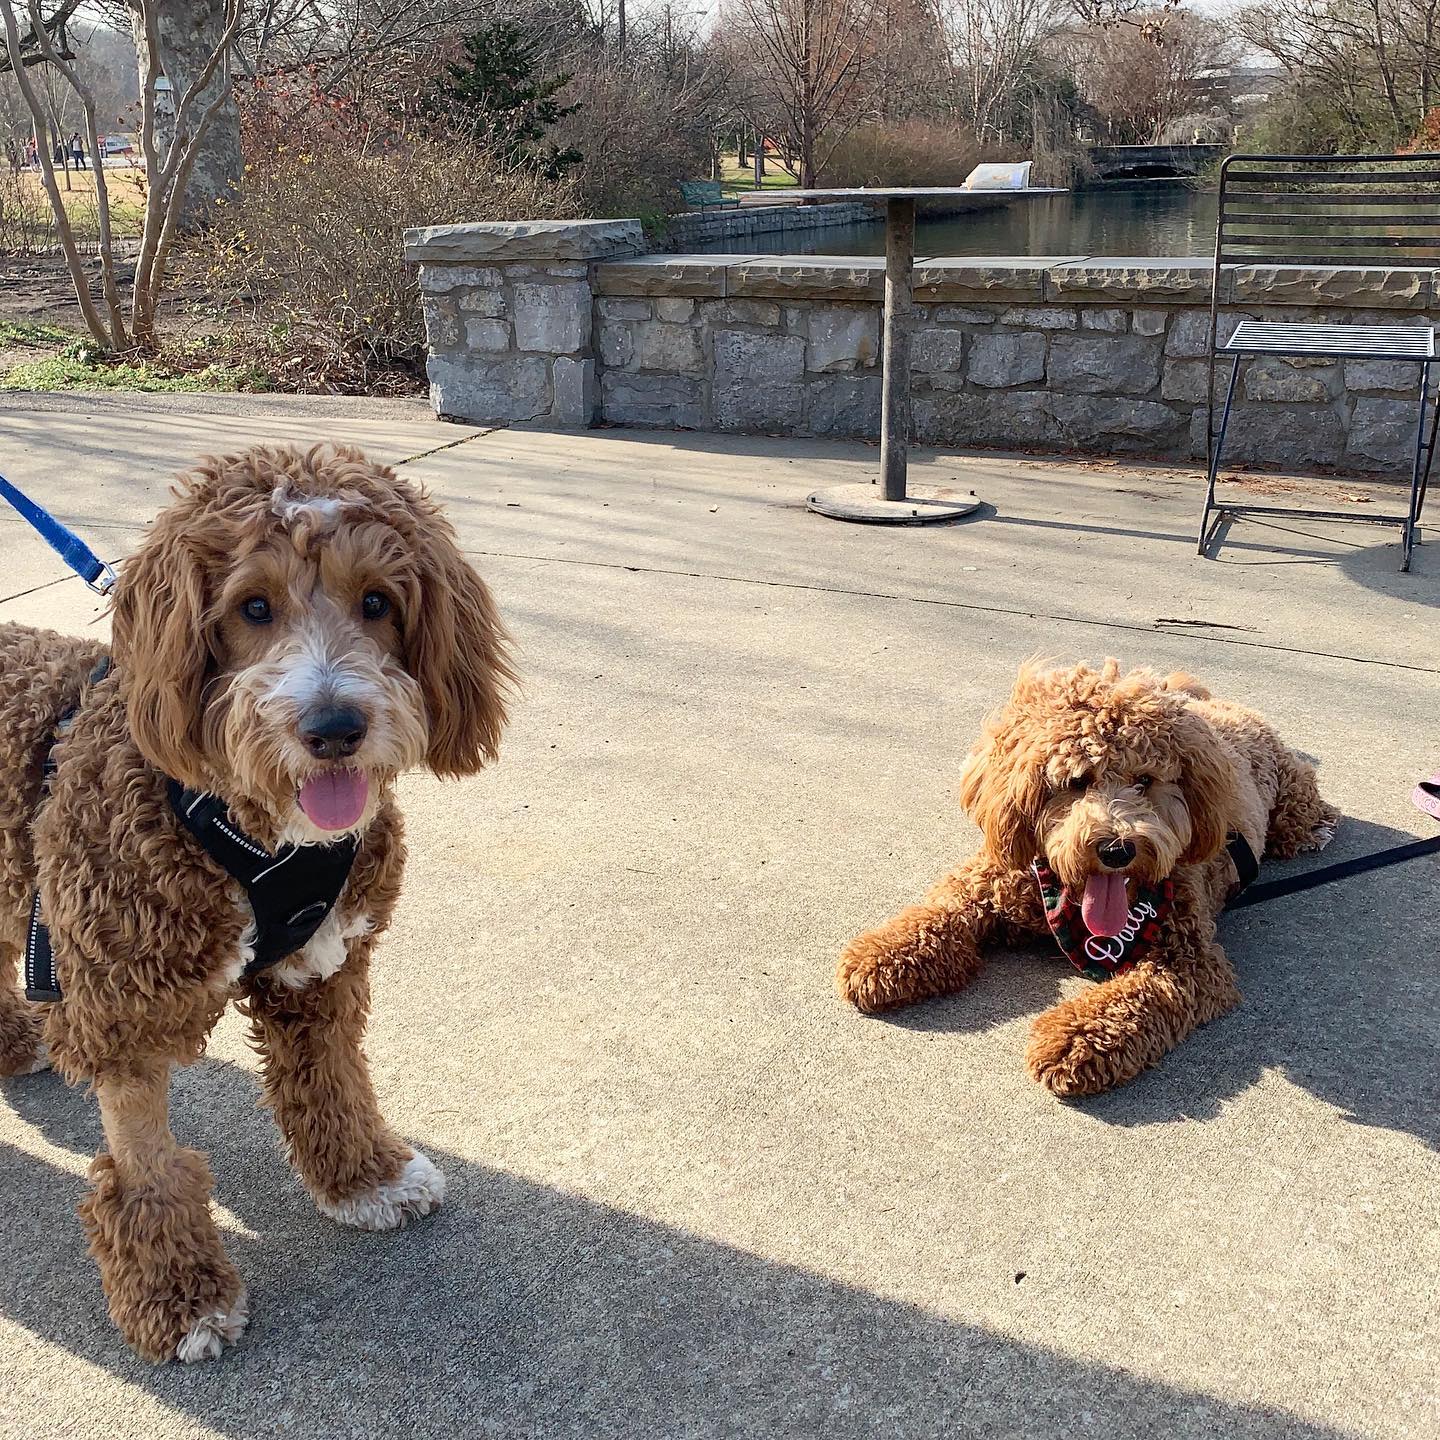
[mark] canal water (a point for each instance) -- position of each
(1147, 218)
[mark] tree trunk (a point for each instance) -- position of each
(189, 32)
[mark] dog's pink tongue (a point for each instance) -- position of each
(335, 799)
(1104, 907)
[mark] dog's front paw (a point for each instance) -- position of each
(1324, 832)
(912, 956)
(172, 1291)
(1073, 1052)
(212, 1332)
(866, 975)
(416, 1190)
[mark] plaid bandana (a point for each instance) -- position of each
(1098, 957)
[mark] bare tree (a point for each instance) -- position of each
(1140, 88)
(808, 69)
(177, 39)
(52, 23)
(996, 48)
(1376, 61)
(169, 160)
(1145, 16)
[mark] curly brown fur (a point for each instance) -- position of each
(149, 933)
(1075, 760)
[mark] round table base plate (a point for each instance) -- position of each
(922, 504)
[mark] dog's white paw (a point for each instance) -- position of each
(207, 1338)
(1322, 835)
(41, 1061)
(416, 1190)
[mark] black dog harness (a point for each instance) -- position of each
(290, 892)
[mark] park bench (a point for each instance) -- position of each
(706, 195)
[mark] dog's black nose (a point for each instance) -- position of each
(1116, 853)
(331, 732)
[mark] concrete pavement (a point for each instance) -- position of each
(691, 1194)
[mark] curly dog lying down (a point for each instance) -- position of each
(1106, 802)
(294, 631)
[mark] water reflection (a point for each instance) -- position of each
(1158, 218)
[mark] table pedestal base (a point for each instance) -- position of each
(921, 505)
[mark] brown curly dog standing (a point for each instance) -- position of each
(1117, 794)
(296, 630)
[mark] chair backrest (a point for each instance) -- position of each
(701, 192)
(1328, 210)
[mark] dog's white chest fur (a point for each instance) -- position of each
(325, 953)
(322, 956)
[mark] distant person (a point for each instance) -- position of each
(77, 151)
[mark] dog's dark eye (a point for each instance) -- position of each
(1144, 782)
(375, 606)
(1078, 783)
(257, 610)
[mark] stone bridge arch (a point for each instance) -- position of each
(1152, 162)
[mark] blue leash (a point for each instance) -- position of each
(65, 542)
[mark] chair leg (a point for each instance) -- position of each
(1217, 447)
(1429, 456)
(1418, 471)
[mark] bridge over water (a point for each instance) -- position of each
(1152, 162)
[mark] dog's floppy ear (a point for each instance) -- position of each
(458, 652)
(1003, 795)
(1207, 778)
(161, 649)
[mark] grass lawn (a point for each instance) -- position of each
(732, 177)
(124, 186)
(21, 334)
(71, 371)
(67, 361)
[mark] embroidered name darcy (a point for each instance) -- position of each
(1098, 957)
(1109, 950)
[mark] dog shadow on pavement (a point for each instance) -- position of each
(521, 1310)
(1341, 994)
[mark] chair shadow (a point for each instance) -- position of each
(1354, 1020)
(1369, 556)
(522, 1310)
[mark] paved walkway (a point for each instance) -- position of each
(691, 1194)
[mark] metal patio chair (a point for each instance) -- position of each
(1347, 210)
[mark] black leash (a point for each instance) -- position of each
(1341, 870)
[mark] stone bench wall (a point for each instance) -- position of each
(1061, 353)
(738, 226)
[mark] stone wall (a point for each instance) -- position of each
(509, 312)
(1102, 356)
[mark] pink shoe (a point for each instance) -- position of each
(1426, 795)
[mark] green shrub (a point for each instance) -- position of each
(1302, 118)
(498, 98)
